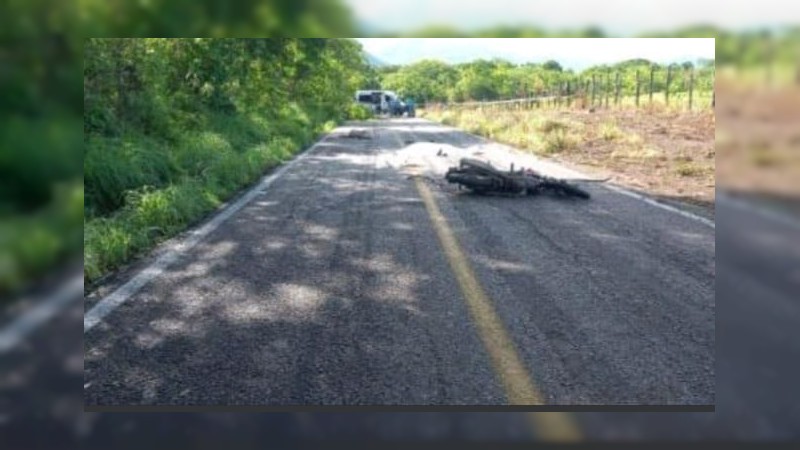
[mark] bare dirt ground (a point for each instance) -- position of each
(666, 153)
(758, 143)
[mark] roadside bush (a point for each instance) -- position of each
(356, 111)
(113, 166)
(29, 245)
(242, 130)
(200, 153)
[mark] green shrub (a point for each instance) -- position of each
(32, 244)
(197, 154)
(107, 245)
(149, 216)
(36, 154)
(242, 131)
(113, 166)
(27, 246)
(357, 111)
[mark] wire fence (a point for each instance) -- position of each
(672, 87)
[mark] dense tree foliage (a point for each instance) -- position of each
(165, 88)
(41, 142)
(174, 126)
(437, 81)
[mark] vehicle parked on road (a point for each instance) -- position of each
(382, 102)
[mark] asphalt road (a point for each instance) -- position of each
(333, 287)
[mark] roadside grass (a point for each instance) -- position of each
(609, 131)
(145, 190)
(550, 126)
(32, 244)
(522, 129)
(689, 169)
(633, 146)
(678, 101)
(559, 141)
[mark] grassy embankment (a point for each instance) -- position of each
(142, 190)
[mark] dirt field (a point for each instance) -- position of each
(758, 141)
(663, 152)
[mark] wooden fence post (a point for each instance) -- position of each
(797, 66)
(652, 79)
(669, 82)
(616, 92)
(607, 87)
(554, 95)
(594, 89)
(587, 84)
(569, 95)
(797, 75)
(769, 56)
(691, 88)
(559, 90)
(555, 91)
(637, 88)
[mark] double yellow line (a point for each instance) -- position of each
(519, 388)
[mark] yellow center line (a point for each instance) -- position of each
(506, 362)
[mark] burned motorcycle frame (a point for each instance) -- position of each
(482, 178)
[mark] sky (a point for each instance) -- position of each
(620, 17)
(571, 53)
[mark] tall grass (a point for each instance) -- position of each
(559, 141)
(32, 244)
(609, 131)
(141, 190)
(522, 129)
(113, 166)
